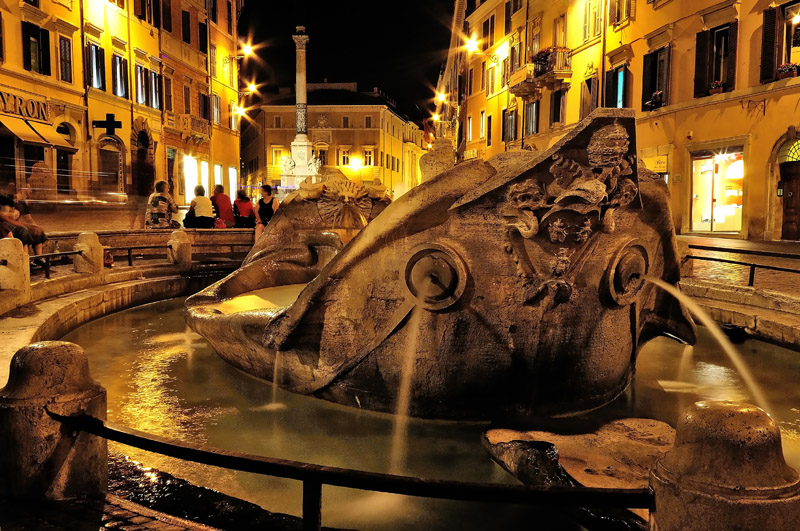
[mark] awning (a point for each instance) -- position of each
(52, 136)
(21, 129)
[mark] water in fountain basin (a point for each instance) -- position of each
(719, 336)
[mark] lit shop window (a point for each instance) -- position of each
(717, 190)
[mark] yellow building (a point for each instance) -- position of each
(715, 107)
(86, 85)
(42, 106)
(360, 133)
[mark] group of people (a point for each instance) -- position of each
(216, 211)
(16, 222)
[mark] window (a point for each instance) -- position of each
(715, 59)
(557, 107)
(35, 49)
(483, 124)
(617, 87)
(507, 19)
(490, 88)
(589, 89)
(532, 118)
(368, 123)
(202, 33)
(489, 130)
(509, 125)
(470, 79)
(155, 90)
(212, 60)
(166, 15)
(144, 11)
(187, 100)
(345, 122)
(369, 157)
(186, 27)
(277, 122)
(322, 155)
(344, 157)
(34, 3)
(780, 39)
(96, 66)
(212, 10)
(619, 11)
(118, 3)
(488, 32)
(483, 75)
(119, 76)
(168, 94)
(592, 19)
(215, 108)
(142, 85)
(217, 174)
(655, 79)
(560, 30)
(230, 18)
(2, 48)
(504, 73)
(204, 106)
(469, 128)
(65, 58)
(230, 71)
(232, 117)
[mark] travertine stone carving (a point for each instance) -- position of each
(515, 281)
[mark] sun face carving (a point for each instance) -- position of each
(342, 200)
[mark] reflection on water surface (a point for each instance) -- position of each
(164, 379)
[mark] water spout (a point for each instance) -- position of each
(719, 336)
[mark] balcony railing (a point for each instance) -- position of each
(193, 126)
(553, 64)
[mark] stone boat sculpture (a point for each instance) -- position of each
(501, 288)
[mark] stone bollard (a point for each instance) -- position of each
(726, 471)
(91, 261)
(39, 458)
(15, 275)
(687, 265)
(180, 250)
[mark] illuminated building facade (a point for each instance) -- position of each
(104, 79)
(360, 133)
(714, 85)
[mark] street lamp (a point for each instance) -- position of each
(472, 49)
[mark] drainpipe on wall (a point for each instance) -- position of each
(88, 125)
(601, 82)
(131, 93)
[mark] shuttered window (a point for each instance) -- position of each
(95, 66)
(715, 59)
(65, 58)
(203, 37)
(589, 94)
(35, 49)
(166, 15)
(616, 87)
(119, 76)
(186, 27)
(655, 79)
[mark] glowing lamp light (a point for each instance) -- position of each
(796, 19)
(240, 112)
(355, 163)
(251, 87)
(436, 117)
(441, 97)
(247, 50)
(472, 45)
(429, 145)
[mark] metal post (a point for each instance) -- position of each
(47, 267)
(130, 256)
(752, 274)
(312, 505)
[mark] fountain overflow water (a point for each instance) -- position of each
(719, 336)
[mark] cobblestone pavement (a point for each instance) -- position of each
(783, 282)
(85, 515)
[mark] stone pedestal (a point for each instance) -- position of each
(39, 459)
(15, 271)
(90, 262)
(180, 250)
(726, 471)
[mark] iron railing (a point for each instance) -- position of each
(752, 265)
(315, 476)
(556, 58)
(51, 256)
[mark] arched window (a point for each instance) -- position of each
(110, 169)
(790, 151)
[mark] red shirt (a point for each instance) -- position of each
(245, 208)
(222, 204)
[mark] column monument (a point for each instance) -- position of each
(302, 163)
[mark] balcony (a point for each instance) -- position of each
(521, 83)
(192, 126)
(552, 66)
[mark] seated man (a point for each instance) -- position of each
(160, 208)
(222, 206)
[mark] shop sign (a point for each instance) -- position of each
(656, 164)
(24, 107)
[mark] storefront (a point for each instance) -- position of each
(34, 155)
(717, 190)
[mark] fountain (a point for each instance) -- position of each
(534, 307)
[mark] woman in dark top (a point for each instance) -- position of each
(267, 206)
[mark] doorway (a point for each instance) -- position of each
(717, 190)
(789, 166)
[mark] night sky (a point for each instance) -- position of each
(399, 46)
